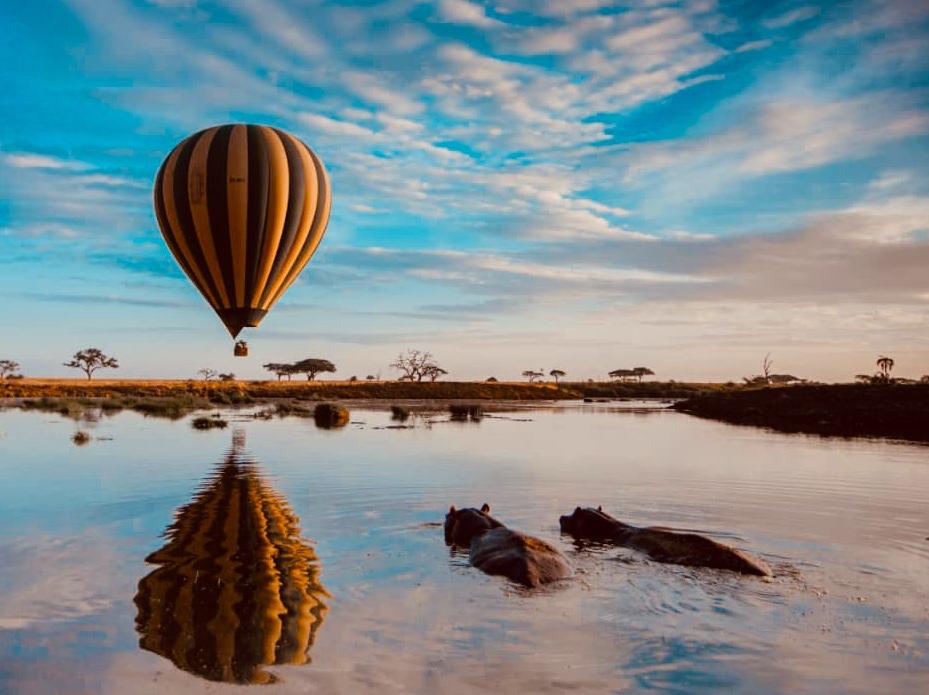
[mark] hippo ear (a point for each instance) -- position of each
(451, 510)
(485, 508)
(599, 507)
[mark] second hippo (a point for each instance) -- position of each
(661, 545)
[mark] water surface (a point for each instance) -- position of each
(158, 558)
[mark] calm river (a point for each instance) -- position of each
(157, 558)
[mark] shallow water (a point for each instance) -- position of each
(368, 595)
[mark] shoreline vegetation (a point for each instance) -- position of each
(891, 411)
(178, 398)
(236, 392)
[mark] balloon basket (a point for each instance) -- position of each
(240, 349)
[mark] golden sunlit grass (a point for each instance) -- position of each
(245, 392)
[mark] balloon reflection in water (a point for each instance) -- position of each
(236, 588)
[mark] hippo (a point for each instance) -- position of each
(661, 545)
(498, 550)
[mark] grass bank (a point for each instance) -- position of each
(895, 411)
(134, 391)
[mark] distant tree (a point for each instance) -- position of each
(433, 372)
(370, 377)
(556, 374)
(353, 378)
(227, 377)
(415, 365)
(766, 365)
(279, 368)
(886, 365)
(622, 374)
(639, 372)
(313, 366)
(207, 373)
(8, 368)
(532, 375)
(90, 360)
(864, 378)
(492, 380)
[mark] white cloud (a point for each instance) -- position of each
(891, 179)
(800, 14)
(31, 160)
(374, 90)
(465, 12)
(331, 126)
(754, 46)
(785, 136)
(287, 29)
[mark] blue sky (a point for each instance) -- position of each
(582, 185)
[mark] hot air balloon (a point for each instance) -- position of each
(242, 209)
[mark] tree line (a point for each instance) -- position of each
(419, 365)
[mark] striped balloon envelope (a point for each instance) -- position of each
(235, 589)
(242, 209)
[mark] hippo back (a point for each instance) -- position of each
(523, 559)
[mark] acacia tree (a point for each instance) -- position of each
(415, 365)
(532, 375)
(279, 368)
(90, 360)
(8, 368)
(312, 366)
(886, 365)
(622, 374)
(434, 372)
(639, 372)
(556, 374)
(207, 373)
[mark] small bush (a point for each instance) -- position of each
(80, 438)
